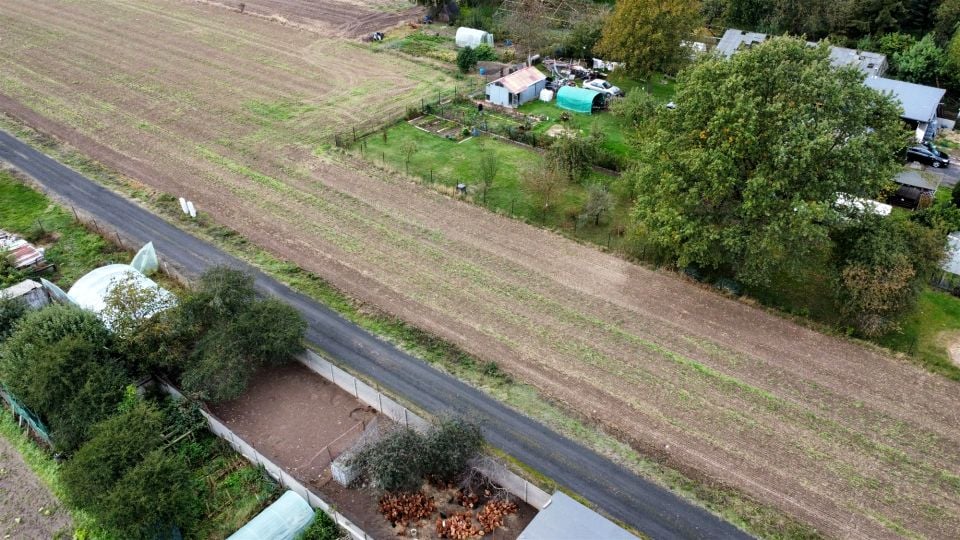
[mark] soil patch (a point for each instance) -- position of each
(296, 418)
(27, 508)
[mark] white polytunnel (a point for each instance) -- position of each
(90, 291)
(285, 519)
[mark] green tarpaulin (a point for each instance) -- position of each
(578, 100)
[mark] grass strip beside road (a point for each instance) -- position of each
(754, 517)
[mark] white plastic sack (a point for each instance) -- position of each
(146, 260)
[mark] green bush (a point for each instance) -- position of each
(60, 364)
(122, 477)
(321, 528)
(151, 499)
(394, 463)
(11, 311)
(466, 59)
(118, 444)
(229, 334)
(485, 53)
(449, 446)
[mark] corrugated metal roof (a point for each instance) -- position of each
(917, 179)
(520, 80)
(871, 63)
(566, 519)
(919, 102)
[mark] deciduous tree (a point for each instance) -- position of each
(645, 34)
(743, 176)
(487, 171)
(599, 202)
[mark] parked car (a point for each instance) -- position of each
(602, 86)
(928, 154)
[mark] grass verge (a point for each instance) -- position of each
(753, 516)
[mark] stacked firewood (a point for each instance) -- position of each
(458, 526)
(406, 508)
(467, 499)
(491, 516)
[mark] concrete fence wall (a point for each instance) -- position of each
(517, 486)
(276, 472)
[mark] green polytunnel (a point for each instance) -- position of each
(578, 100)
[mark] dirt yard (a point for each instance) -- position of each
(231, 111)
(344, 18)
(27, 508)
(297, 419)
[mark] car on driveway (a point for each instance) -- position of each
(928, 154)
(602, 86)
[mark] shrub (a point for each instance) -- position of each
(321, 528)
(59, 363)
(449, 446)
(466, 59)
(231, 334)
(11, 311)
(395, 462)
(485, 53)
(118, 444)
(151, 499)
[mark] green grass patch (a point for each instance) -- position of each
(925, 333)
(69, 245)
(278, 111)
(447, 163)
(428, 46)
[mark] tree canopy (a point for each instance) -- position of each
(59, 362)
(645, 34)
(743, 176)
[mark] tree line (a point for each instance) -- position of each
(77, 375)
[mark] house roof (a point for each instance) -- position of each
(565, 519)
(919, 102)
(520, 80)
(871, 63)
(917, 179)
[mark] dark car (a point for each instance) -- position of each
(928, 154)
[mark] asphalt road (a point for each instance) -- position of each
(614, 489)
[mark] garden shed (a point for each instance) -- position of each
(579, 100)
(516, 88)
(471, 37)
(565, 519)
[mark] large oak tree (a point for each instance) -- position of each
(743, 176)
(646, 34)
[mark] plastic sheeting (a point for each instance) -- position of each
(471, 37)
(90, 291)
(576, 99)
(55, 292)
(283, 520)
(146, 260)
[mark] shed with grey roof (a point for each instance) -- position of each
(565, 519)
(920, 103)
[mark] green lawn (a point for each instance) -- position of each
(69, 245)
(922, 335)
(448, 163)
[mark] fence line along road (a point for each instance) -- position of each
(613, 488)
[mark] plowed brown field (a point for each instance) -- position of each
(346, 18)
(228, 110)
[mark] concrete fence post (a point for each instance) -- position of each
(380, 400)
(525, 485)
(406, 419)
(356, 391)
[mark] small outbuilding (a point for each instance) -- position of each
(914, 188)
(28, 291)
(579, 100)
(516, 88)
(565, 519)
(471, 37)
(920, 103)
